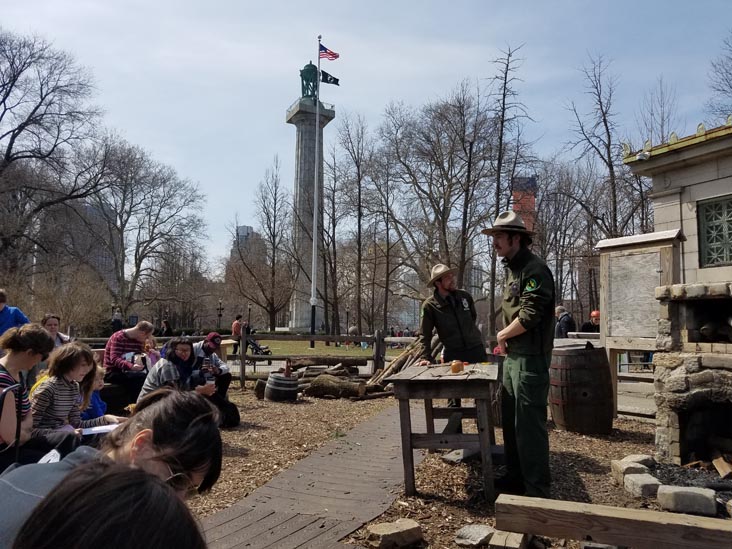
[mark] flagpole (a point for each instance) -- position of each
(316, 207)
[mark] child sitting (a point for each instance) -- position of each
(56, 400)
(92, 405)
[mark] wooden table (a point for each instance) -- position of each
(477, 381)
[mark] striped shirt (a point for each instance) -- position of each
(6, 380)
(56, 404)
(117, 346)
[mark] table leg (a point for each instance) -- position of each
(405, 424)
(429, 419)
(485, 428)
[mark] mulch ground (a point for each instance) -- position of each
(275, 435)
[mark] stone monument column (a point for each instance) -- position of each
(302, 115)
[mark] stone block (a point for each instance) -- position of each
(721, 348)
(664, 311)
(642, 459)
(694, 291)
(728, 507)
(678, 291)
(642, 485)
(474, 535)
(664, 327)
(619, 469)
(718, 289)
(677, 384)
(389, 535)
(669, 361)
(663, 292)
(665, 343)
(700, 379)
(709, 360)
(692, 363)
(674, 448)
(689, 500)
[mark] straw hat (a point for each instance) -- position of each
(508, 221)
(438, 271)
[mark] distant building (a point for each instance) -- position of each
(524, 199)
(243, 239)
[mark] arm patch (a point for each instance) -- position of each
(532, 285)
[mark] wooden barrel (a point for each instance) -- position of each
(281, 388)
(581, 391)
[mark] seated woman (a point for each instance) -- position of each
(57, 399)
(92, 507)
(177, 370)
(25, 347)
(173, 435)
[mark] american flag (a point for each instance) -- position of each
(325, 53)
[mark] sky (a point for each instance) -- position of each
(204, 86)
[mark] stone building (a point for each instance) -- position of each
(692, 198)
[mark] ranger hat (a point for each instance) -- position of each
(438, 271)
(508, 221)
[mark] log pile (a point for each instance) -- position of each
(339, 381)
(409, 357)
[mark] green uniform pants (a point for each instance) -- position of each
(523, 411)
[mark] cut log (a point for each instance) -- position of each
(327, 385)
(259, 386)
(723, 467)
(328, 361)
(372, 396)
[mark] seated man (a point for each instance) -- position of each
(123, 358)
(207, 363)
(206, 349)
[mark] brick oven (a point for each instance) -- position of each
(693, 377)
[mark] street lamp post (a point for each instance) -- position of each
(249, 315)
(348, 313)
(219, 310)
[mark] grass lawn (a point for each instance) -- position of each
(303, 348)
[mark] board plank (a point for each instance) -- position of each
(637, 528)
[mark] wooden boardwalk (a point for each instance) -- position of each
(322, 498)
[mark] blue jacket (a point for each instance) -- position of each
(11, 317)
(97, 407)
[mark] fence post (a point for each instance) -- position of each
(379, 350)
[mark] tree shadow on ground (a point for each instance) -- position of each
(567, 483)
(245, 425)
(231, 450)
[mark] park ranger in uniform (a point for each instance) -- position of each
(452, 313)
(526, 340)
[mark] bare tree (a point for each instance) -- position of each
(43, 101)
(145, 209)
(177, 288)
(335, 211)
(657, 115)
(597, 139)
(260, 270)
(720, 80)
(508, 112)
(352, 136)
